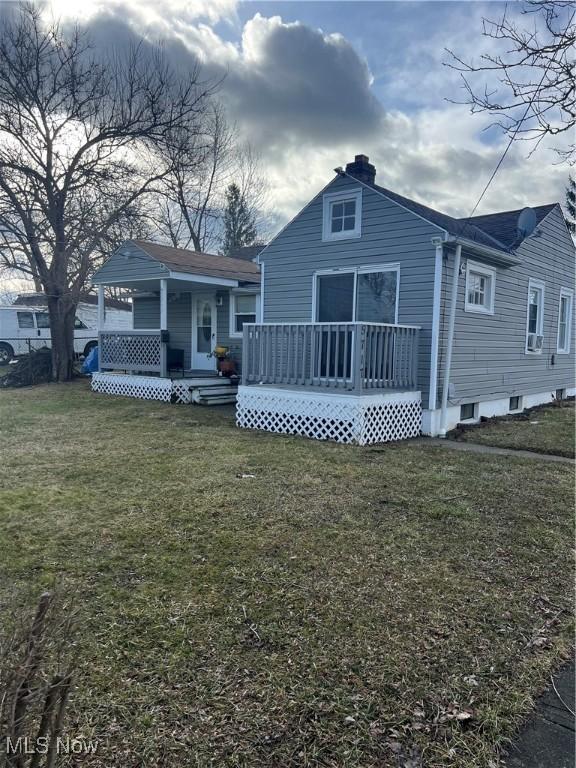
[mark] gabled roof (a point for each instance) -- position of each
(197, 263)
(503, 227)
(456, 227)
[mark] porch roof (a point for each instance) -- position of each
(139, 264)
(197, 263)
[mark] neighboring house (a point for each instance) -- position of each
(185, 305)
(380, 317)
(378, 311)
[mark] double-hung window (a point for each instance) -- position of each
(342, 215)
(535, 317)
(565, 320)
(242, 310)
(480, 287)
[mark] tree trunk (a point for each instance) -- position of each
(62, 311)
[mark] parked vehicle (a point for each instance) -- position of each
(24, 328)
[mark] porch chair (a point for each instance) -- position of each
(175, 360)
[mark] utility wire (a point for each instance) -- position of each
(517, 128)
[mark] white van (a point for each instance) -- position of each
(23, 328)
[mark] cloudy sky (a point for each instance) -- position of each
(310, 84)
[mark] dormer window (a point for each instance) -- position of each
(342, 215)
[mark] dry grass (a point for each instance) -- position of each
(392, 606)
(547, 429)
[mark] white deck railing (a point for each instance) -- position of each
(356, 357)
(138, 351)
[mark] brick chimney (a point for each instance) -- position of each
(362, 169)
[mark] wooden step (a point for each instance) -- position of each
(220, 400)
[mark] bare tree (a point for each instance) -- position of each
(189, 201)
(81, 143)
(536, 71)
(191, 206)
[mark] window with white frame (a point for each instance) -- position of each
(480, 287)
(368, 294)
(242, 310)
(535, 317)
(565, 320)
(342, 215)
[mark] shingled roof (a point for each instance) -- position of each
(456, 227)
(197, 263)
(503, 226)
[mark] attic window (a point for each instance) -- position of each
(342, 215)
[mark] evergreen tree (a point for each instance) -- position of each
(571, 205)
(239, 221)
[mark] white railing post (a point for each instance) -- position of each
(101, 308)
(163, 326)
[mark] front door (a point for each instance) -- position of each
(203, 332)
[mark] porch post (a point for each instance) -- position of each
(101, 308)
(163, 326)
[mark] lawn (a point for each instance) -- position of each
(248, 599)
(549, 429)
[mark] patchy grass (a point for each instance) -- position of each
(397, 605)
(547, 429)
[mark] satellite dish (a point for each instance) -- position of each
(526, 222)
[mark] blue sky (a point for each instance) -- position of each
(310, 84)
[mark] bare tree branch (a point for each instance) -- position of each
(535, 70)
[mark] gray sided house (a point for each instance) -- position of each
(382, 317)
(185, 305)
(369, 317)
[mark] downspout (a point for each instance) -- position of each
(450, 340)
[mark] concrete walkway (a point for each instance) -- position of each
(490, 449)
(547, 738)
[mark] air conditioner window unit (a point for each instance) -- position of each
(535, 341)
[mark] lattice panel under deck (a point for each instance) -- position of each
(345, 420)
(181, 392)
(390, 421)
(143, 387)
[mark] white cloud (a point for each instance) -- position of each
(306, 100)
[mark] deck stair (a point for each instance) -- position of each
(215, 391)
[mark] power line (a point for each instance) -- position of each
(517, 128)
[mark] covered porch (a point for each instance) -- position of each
(186, 311)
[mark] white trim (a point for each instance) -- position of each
(435, 341)
(487, 409)
(362, 270)
(565, 293)
(189, 278)
(233, 333)
(344, 196)
(163, 305)
(101, 308)
(490, 272)
(539, 284)
(450, 337)
(211, 362)
(262, 273)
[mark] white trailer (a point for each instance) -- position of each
(24, 328)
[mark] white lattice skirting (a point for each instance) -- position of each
(144, 387)
(344, 418)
